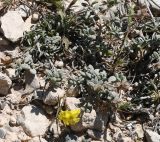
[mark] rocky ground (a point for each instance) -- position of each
(28, 113)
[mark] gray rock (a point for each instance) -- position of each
(31, 80)
(23, 10)
(37, 139)
(34, 122)
(72, 103)
(19, 120)
(23, 137)
(2, 133)
(13, 53)
(92, 120)
(152, 136)
(94, 134)
(5, 84)
(11, 73)
(14, 97)
(55, 129)
(139, 131)
(28, 24)
(12, 25)
(52, 98)
(2, 104)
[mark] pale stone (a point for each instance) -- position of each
(12, 25)
(11, 72)
(23, 10)
(34, 121)
(14, 97)
(139, 131)
(42, 82)
(13, 53)
(94, 134)
(35, 17)
(11, 137)
(5, 84)
(23, 137)
(55, 129)
(127, 139)
(7, 110)
(152, 136)
(52, 98)
(12, 121)
(91, 120)
(72, 103)
(37, 139)
(28, 24)
(31, 80)
(3, 120)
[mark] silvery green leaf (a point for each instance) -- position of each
(88, 75)
(49, 72)
(112, 79)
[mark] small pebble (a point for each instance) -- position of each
(2, 133)
(12, 121)
(2, 105)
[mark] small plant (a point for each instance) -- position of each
(93, 49)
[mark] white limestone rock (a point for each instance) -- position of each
(52, 98)
(34, 122)
(152, 136)
(12, 25)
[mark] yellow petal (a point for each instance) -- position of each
(69, 117)
(74, 121)
(75, 113)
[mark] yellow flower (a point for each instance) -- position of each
(69, 117)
